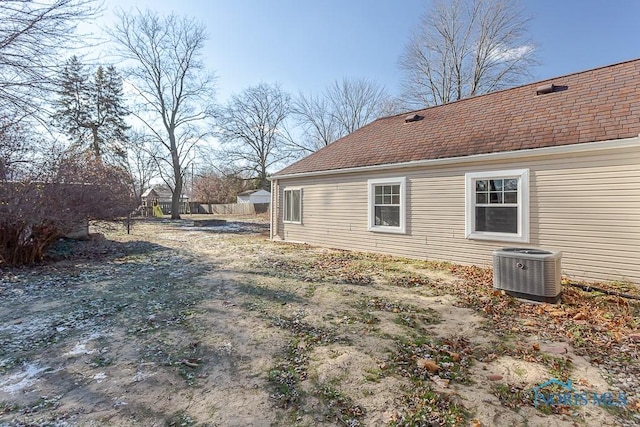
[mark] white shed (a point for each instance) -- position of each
(254, 196)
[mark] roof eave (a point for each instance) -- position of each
(503, 155)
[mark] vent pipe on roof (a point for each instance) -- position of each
(412, 118)
(544, 89)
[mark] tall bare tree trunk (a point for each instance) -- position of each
(177, 191)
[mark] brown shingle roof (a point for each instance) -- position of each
(595, 105)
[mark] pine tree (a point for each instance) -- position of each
(72, 106)
(92, 111)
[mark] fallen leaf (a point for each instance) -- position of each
(428, 364)
(579, 316)
(535, 346)
(583, 382)
(441, 382)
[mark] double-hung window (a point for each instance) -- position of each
(497, 205)
(387, 205)
(293, 205)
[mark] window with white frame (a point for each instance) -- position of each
(293, 205)
(387, 205)
(497, 205)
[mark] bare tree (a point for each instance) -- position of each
(140, 162)
(355, 102)
(174, 90)
(16, 149)
(212, 186)
(344, 106)
(319, 126)
(253, 128)
(464, 48)
(32, 36)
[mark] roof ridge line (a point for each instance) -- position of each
(534, 83)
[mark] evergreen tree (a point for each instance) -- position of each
(92, 111)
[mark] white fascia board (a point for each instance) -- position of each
(503, 155)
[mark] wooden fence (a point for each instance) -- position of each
(230, 208)
(216, 209)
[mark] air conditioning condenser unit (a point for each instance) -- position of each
(533, 274)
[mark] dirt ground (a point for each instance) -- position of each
(183, 325)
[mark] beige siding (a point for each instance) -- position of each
(586, 205)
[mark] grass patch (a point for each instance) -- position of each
(42, 404)
(425, 407)
(341, 408)
(288, 373)
(425, 361)
(373, 375)
(285, 378)
(421, 358)
(100, 361)
(6, 407)
(409, 281)
(180, 419)
(380, 304)
(418, 320)
(511, 396)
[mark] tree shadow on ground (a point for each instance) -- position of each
(275, 295)
(98, 247)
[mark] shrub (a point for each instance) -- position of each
(72, 189)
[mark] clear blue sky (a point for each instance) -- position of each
(307, 44)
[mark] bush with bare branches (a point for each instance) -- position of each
(34, 213)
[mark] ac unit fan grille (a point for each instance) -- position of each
(527, 273)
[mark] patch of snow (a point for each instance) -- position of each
(21, 380)
(100, 376)
(79, 349)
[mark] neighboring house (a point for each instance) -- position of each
(554, 165)
(162, 196)
(254, 196)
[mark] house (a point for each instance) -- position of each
(254, 196)
(552, 165)
(162, 196)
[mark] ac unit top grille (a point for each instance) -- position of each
(529, 253)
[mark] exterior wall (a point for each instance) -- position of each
(586, 205)
(257, 197)
(261, 198)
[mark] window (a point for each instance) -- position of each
(387, 205)
(497, 205)
(293, 205)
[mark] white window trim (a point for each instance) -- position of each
(522, 235)
(284, 205)
(403, 198)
